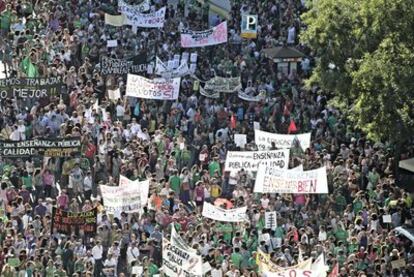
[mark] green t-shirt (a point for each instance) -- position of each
(341, 235)
(340, 202)
(175, 183)
(279, 232)
(213, 167)
(236, 259)
(153, 269)
(357, 206)
(5, 20)
(352, 247)
(27, 182)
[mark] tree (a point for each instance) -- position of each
(365, 59)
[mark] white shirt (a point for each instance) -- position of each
(216, 272)
(132, 254)
(322, 236)
(120, 111)
(15, 135)
(265, 202)
(26, 220)
(97, 252)
(87, 183)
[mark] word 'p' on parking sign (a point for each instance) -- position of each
(249, 26)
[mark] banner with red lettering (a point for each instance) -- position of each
(274, 180)
(158, 88)
(68, 222)
(212, 36)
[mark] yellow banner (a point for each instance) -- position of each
(266, 265)
(114, 20)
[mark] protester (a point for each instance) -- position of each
(180, 146)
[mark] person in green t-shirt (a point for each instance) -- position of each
(27, 181)
(214, 167)
(236, 257)
(175, 183)
(341, 234)
(5, 20)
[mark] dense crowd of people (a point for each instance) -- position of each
(181, 146)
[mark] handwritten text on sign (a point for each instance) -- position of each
(159, 88)
(273, 180)
(264, 140)
(213, 36)
(250, 160)
(179, 262)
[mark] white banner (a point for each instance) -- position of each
(146, 20)
(143, 187)
(271, 220)
(163, 70)
(219, 214)
(214, 95)
(291, 272)
(244, 96)
(264, 140)
(179, 262)
(273, 180)
(250, 160)
(121, 199)
(159, 88)
(144, 6)
(221, 84)
(298, 168)
(213, 36)
(178, 241)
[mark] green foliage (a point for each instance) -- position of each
(371, 44)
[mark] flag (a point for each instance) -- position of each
(29, 68)
(233, 122)
(292, 127)
(319, 266)
(335, 271)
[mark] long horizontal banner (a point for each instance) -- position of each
(159, 88)
(221, 84)
(142, 186)
(29, 87)
(250, 160)
(40, 147)
(264, 140)
(273, 180)
(68, 222)
(219, 214)
(292, 272)
(177, 261)
(133, 17)
(213, 36)
(137, 64)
